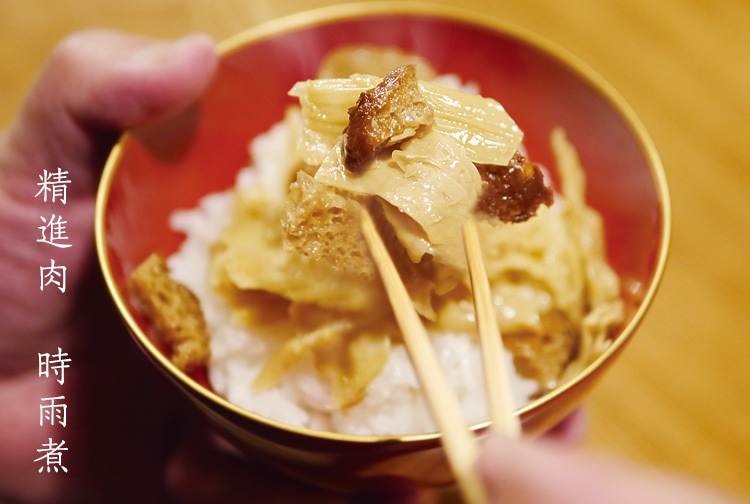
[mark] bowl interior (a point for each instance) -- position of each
(170, 165)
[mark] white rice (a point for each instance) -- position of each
(393, 405)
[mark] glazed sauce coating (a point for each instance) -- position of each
(513, 192)
(392, 111)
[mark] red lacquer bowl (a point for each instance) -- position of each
(154, 170)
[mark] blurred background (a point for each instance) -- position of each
(679, 397)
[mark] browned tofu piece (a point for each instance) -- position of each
(543, 356)
(322, 225)
(513, 192)
(173, 312)
(391, 112)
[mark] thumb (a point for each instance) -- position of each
(95, 84)
(546, 473)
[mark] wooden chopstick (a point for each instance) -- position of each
(461, 446)
(499, 390)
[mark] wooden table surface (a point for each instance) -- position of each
(680, 395)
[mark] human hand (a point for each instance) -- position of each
(125, 429)
(549, 472)
(121, 418)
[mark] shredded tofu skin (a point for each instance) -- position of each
(301, 330)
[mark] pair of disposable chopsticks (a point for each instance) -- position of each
(460, 445)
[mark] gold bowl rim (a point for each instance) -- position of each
(343, 12)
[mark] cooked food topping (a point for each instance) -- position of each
(513, 193)
(543, 355)
(297, 314)
(349, 355)
(321, 224)
(480, 125)
(173, 312)
(392, 111)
